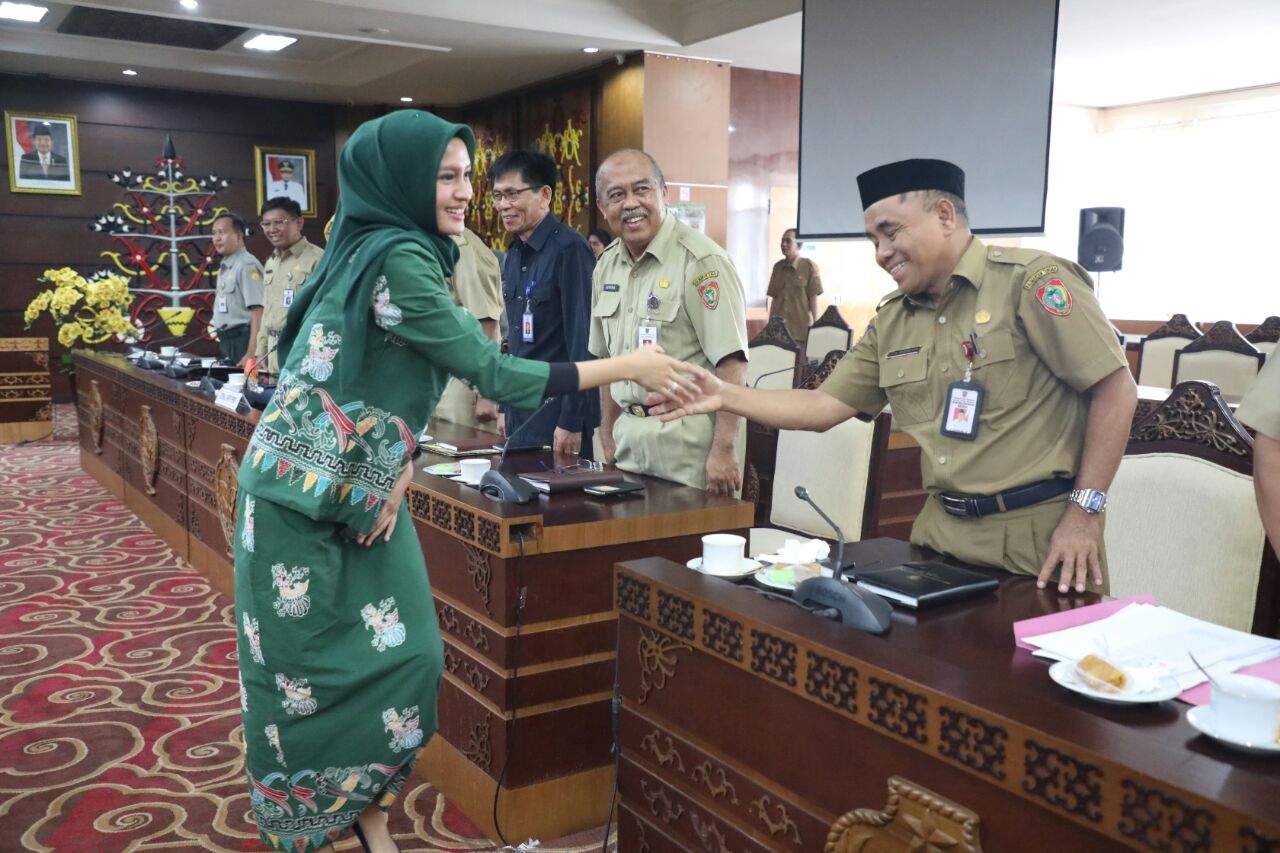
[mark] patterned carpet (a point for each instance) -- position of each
(119, 710)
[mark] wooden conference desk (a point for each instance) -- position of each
(172, 457)
(748, 725)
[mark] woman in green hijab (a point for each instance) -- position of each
(340, 653)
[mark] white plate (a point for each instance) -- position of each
(769, 576)
(748, 566)
(1202, 718)
(1160, 689)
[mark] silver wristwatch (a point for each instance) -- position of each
(1091, 501)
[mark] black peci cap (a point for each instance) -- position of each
(907, 176)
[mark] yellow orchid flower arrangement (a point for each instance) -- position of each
(86, 311)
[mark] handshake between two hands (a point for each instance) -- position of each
(676, 388)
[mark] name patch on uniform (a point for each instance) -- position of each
(704, 277)
(1055, 297)
(1039, 274)
(899, 353)
(612, 288)
(710, 293)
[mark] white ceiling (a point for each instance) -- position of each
(451, 52)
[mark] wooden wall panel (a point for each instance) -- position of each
(125, 126)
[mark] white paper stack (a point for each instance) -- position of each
(1158, 639)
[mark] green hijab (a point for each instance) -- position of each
(387, 198)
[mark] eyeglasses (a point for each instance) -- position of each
(583, 465)
(268, 224)
(510, 195)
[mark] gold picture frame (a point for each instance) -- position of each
(267, 163)
(57, 173)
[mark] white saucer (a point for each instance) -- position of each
(748, 567)
(768, 577)
(1064, 673)
(1202, 718)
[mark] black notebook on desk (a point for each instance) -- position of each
(926, 584)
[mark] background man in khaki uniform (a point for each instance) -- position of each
(1057, 396)
(292, 259)
(664, 283)
(1260, 409)
(794, 288)
(476, 286)
(237, 302)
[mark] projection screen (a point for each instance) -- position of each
(970, 81)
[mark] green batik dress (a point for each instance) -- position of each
(340, 653)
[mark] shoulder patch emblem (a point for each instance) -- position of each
(710, 293)
(1055, 298)
(704, 277)
(1039, 274)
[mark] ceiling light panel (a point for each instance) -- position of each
(24, 12)
(269, 42)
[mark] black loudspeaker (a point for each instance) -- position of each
(1101, 238)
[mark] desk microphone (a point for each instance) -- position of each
(509, 488)
(809, 363)
(837, 567)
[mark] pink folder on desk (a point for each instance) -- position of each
(1198, 695)
(1051, 622)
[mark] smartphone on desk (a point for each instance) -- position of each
(608, 490)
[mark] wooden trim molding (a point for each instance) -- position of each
(1268, 331)
(1177, 327)
(914, 818)
(775, 334)
(1222, 335)
(1194, 419)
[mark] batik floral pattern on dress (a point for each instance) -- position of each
(272, 732)
(291, 587)
(246, 530)
(297, 695)
(312, 808)
(384, 620)
(322, 349)
(385, 312)
(254, 639)
(403, 727)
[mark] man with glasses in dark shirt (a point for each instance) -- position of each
(546, 285)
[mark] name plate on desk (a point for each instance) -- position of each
(230, 399)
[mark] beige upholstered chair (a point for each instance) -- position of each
(840, 468)
(1156, 352)
(1181, 519)
(1221, 356)
(773, 349)
(829, 333)
(1266, 336)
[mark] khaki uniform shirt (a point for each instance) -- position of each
(476, 286)
(239, 289)
(1260, 407)
(284, 275)
(684, 288)
(1043, 342)
(792, 289)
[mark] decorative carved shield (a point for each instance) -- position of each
(148, 449)
(915, 819)
(95, 415)
(226, 480)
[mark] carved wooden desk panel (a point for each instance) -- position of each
(748, 725)
(26, 401)
(141, 431)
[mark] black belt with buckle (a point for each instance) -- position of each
(976, 506)
(638, 410)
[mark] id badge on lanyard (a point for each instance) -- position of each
(964, 399)
(526, 326)
(647, 334)
(288, 297)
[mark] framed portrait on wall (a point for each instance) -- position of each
(44, 153)
(288, 172)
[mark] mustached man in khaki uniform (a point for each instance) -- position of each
(794, 288)
(1260, 409)
(293, 257)
(664, 283)
(1001, 365)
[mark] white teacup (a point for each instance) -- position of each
(235, 379)
(208, 362)
(473, 470)
(1246, 708)
(722, 553)
(168, 352)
